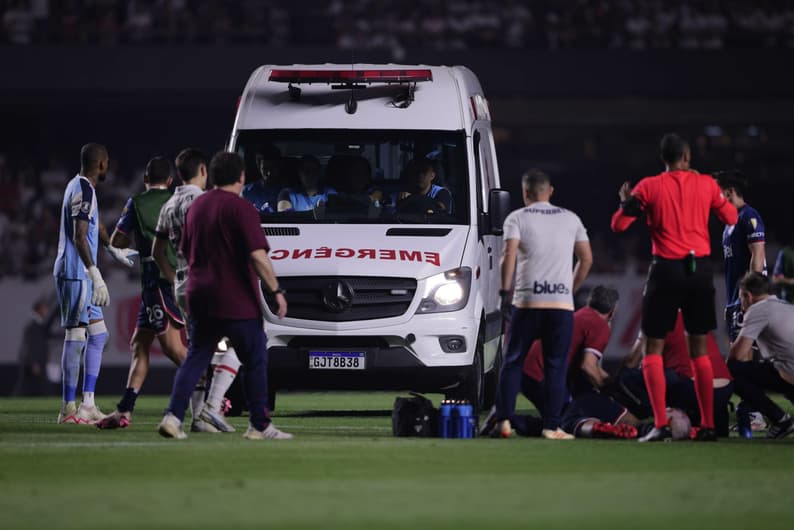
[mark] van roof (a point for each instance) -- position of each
(442, 103)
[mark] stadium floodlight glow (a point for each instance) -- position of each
(350, 76)
(448, 291)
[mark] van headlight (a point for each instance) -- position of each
(448, 291)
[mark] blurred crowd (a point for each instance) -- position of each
(378, 24)
(30, 201)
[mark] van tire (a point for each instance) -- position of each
(472, 386)
(492, 380)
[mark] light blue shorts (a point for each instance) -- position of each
(74, 298)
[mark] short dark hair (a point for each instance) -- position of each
(603, 299)
(91, 155)
(755, 283)
(672, 148)
(732, 178)
(226, 168)
(535, 179)
(188, 162)
(158, 170)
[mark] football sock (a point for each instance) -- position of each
(127, 403)
(655, 383)
(704, 389)
(73, 345)
(222, 379)
(97, 337)
(197, 399)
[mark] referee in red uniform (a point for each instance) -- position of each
(677, 204)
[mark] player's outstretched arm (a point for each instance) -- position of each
(630, 208)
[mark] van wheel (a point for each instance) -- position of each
(492, 380)
(472, 387)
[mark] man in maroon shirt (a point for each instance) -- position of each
(226, 250)
(677, 204)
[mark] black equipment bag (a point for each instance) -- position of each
(414, 416)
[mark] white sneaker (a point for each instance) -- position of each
(68, 413)
(88, 414)
(200, 425)
(757, 422)
(171, 427)
(556, 434)
(270, 433)
(216, 419)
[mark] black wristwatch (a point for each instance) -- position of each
(279, 290)
(504, 292)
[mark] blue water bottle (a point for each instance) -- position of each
(445, 428)
(743, 420)
(466, 412)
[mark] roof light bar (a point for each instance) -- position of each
(350, 76)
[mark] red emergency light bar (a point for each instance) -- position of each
(350, 76)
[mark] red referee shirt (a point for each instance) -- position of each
(677, 206)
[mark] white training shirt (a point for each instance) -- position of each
(544, 267)
(770, 323)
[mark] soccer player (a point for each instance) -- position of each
(540, 242)
(192, 167)
(677, 204)
(769, 322)
(226, 251)
(81, 289)
(158, 315)
(679, 373)
(743, 246)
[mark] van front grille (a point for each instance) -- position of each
(345, 298)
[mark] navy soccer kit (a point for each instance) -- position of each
(736, 241)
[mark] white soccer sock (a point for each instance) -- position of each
(197, 398)
(88, 399)
(222, 379)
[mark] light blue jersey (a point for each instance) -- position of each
(79, 203)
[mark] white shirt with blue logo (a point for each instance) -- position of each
(544, 268)
(79, 203)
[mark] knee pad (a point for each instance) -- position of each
(78, 334)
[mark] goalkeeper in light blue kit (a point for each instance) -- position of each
(81, 289)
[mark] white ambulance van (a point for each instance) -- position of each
(391, 278)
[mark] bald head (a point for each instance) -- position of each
(94, 160)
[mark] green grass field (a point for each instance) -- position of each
(347, 471)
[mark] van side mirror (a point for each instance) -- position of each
(498, 208)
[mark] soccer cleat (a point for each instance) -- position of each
(556, 434)
(88, 415)
(200, 425)
(782, 428)
(171, 427)
(501, 429)
(68, 413)
(215, 419)
(270, 433)
(114, 420)
(488, 423)
(657, 435)
(621, 431)
(702, 434)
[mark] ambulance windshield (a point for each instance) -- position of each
(352, 176)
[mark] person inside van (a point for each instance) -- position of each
(351, 177)
(264, 190)
(418, 189)
(312, 191)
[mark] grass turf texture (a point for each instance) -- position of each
(347, 471)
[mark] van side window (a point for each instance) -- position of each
(478, 168)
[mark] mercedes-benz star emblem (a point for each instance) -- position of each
(338, 296)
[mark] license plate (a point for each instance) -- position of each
(336, 360)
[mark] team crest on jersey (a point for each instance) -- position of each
(754, 222)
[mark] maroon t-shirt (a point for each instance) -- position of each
(221, 231)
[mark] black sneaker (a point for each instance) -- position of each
(488, 424)
(781, 429)
(658, 435)
(704, 434)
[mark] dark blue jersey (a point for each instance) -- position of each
(736, 241)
